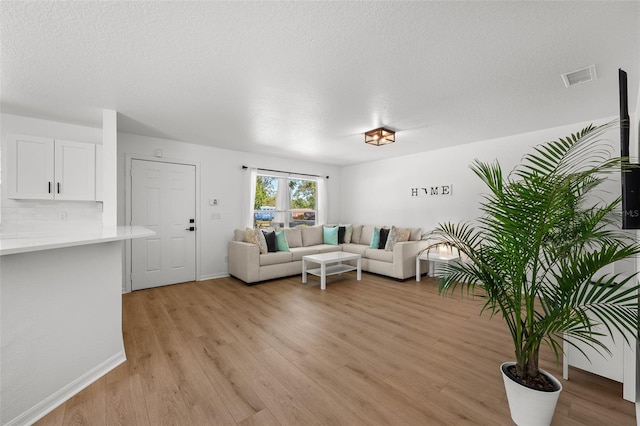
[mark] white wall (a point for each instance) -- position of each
(42, 216)
(380, 192)
(221, 176)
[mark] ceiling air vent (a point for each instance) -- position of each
(580, 76)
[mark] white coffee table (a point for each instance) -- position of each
(434, 257)
(327, 267)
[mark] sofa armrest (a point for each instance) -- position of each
(404, 257)
(244, 261)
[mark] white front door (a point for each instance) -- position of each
(163, 200)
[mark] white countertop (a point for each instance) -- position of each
(26, 243)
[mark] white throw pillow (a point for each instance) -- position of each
(348, 231)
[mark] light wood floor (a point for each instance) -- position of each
(372, 352)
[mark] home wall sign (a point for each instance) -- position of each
(432, 191)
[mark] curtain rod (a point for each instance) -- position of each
(283, 171)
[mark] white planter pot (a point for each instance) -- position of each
(530, 407)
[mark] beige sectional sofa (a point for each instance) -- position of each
(248, 264)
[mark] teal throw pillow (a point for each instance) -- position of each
(281, 241)
(331, 235)
(375, 238)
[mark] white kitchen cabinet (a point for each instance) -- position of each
(30, 167)
(50, 169)
(75, 170)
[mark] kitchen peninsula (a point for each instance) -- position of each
(60, 317)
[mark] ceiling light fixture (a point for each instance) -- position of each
(380, 136)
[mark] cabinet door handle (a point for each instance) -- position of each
(58, 187)
(49, 187)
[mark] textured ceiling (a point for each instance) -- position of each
(306, 79)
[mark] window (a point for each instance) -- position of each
(285, 201)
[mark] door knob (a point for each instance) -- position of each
(191, 228)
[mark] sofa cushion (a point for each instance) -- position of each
(253, 237)
(356, 232)
(311, 235)
(348, 230)
(395, 236)
(270, 238)
(263, 241)
(354, 248)
(405, 233)
(330, 235)
(342, 230)
(366, 235)
(328, 248)
(416, 234)
(240, 235)
(275, 258)
(378, 254)
(281, 241)
(392, 239)
(298, 252)
(375, 238)
(384, 234)
(294, 237)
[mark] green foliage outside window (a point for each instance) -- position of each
(303, 193)
(266, 190)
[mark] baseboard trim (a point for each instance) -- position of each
(50, 403)
(213, 276)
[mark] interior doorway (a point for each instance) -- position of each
(163, 199)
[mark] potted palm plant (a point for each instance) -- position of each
(537, 255)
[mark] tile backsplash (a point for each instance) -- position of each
(22, 218)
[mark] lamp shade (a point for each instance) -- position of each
(380, 136)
